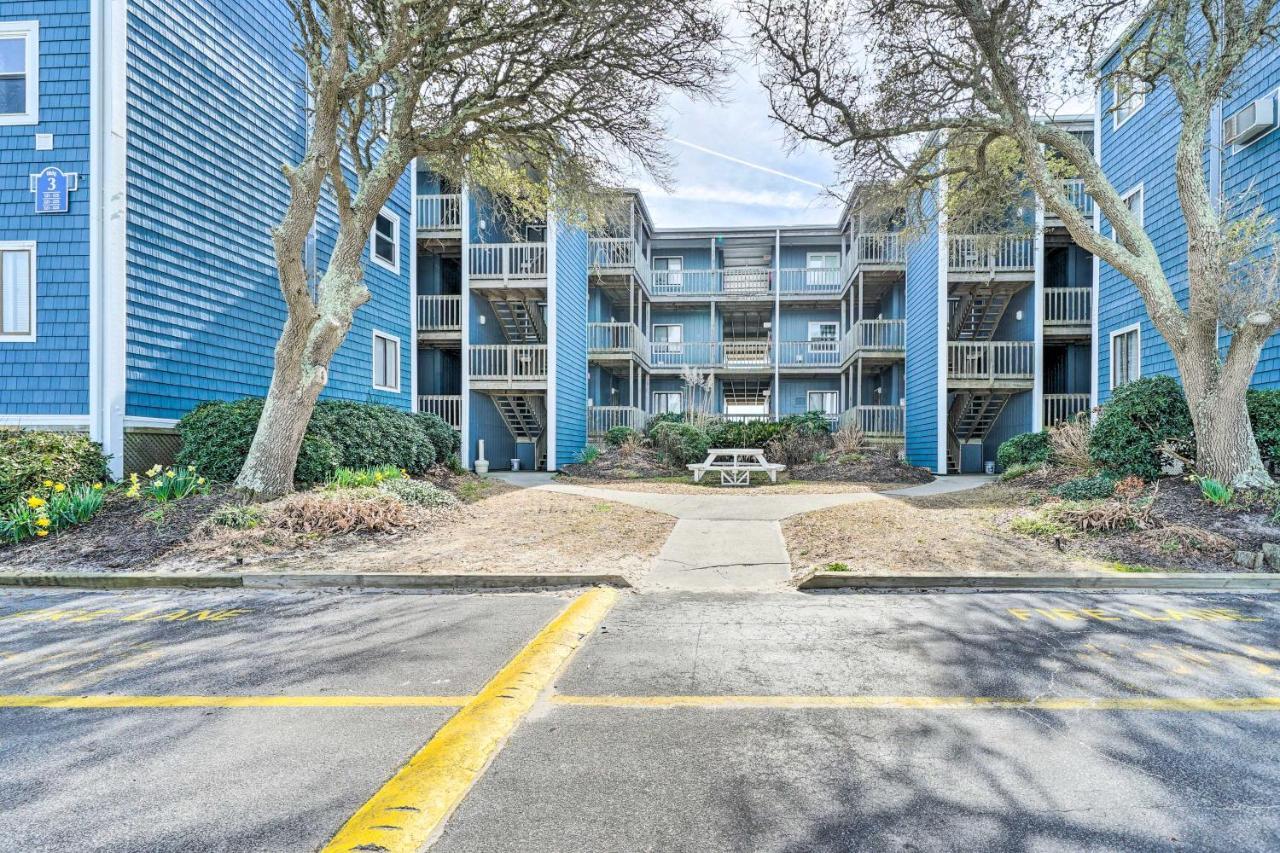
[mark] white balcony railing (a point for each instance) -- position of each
(439, 313)
(990, 253)
(1063, 407)
(616, 255)
(686, 282)
(446, 406)
(801, 281)
(616, 337)
(1075, 192)
(883, 247)
(876, 421)
(510, 362)
(746, 281)
(439, 212)
(809, 354)
(879, 335)
(745, 353)
(730, 354)
(1068, 306)
(601, 419)
(990, 360)
(509, 261)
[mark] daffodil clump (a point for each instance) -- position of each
(354, 478)
(50, 508)
(167, 484)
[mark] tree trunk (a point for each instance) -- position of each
(1225, 447)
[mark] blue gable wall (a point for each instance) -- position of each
(922, 426)
(50, 376)
(571, 342)
(216, 103)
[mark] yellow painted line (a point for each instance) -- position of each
(32, 701)
(930, 703)
(411, 807)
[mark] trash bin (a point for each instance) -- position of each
(989, 467)
(515, 464)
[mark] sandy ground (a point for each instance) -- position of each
(956, 533)
(522, 530)
(711, 485)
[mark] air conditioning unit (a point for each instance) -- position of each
(1251, 122)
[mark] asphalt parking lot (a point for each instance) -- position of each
(232, 720)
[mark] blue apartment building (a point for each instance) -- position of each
(141, 281)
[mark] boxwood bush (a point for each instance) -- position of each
(29, 457)
(1030, 448)
(1264, 415)
(1097, 487)
(1139, 417)
(619, 435)
(679, 444)
(216, 437)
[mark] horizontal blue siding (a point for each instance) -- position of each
(922, 427)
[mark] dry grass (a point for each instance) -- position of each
(340, 512)
(960, 533)
(760, 485)
(1069, 441)
(848, 439)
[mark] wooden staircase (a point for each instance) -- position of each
(977, 313)
(523, 415)
(521, 322)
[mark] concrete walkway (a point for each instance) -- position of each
(733, 541)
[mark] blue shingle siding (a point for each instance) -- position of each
(571, 342)
(1142, 151)
(922, 342)
(1014, 419)
(50, 376)
(216, 103)
(793, 392)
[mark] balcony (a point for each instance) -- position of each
(1075, 192)
(987, 364)
(439, 213)
(497, 365)
(876, 337)
(880, 248)
(877, 421)
(810, 354)
(601, 419)
(1068, 310)
(1064, 407)
(439, 314)
(447, 406)
(617, 256)
(990, 253)
(514, 264)
(748, 354)
(800, 282)
(604, 339)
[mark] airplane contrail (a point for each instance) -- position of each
(746, 163)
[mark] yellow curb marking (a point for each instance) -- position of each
(934, 703)
(34, 701)
(417, 801)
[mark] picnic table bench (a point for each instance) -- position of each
(735, 465)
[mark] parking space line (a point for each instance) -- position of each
(415, 803)
(932, 703)
(108, 701)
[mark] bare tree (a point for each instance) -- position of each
(912, 91)
(494, 93)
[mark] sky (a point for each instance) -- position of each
(732, 166)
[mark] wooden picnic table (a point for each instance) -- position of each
(735, 465)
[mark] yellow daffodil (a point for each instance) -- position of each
(35, 502)
(42, 533)
(158, 483)
(200, 481)
(191, 468)
(48, 483)
(97, 487)
(153, 470)
(59, 487)
(42, 522)
(170, 474)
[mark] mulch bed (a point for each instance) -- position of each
(872, 465)
(613, 464)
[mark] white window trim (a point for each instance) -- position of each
(824, 391)
(30, 30)
(809, 256)
(652, 336)
(1111, 353)
(1116, 121)
(669, 258)
(373, 367)
(656, 394)
(373, 246)
(820, 323)
(24, 246)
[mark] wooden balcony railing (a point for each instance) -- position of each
(878, 335)
(446, 406)
(809, 354)
(439, 313)
(509, 261)
(616, 337)
(439, 212)
(1068, 306)
(510, 362)
(802, 281)
(990, 360)
(990, 253)
(1076, 194)
(876, 421)
(883, 247)
(1063, 407)
(601, 419)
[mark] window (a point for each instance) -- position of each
(1127, 98)
(823, 331)
(19, 72)
(822, 269)
(667, 343)
(668, 403)
(386, 362)
(667, 273)
(1133, 200)
(1126, 355)
(385, 241)
(827, 402)
(17, 292)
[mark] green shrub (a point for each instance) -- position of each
(216, 436)
(1094, 488)
(1139, 418)
(664, 418)
(1030, 448)
(239, 516)
(354, 478)
(419, 493)
(1264, 415)
(589, 454)
(619, 435)
(744, 433)
(679, 444)
(814, 422)
(29, 457)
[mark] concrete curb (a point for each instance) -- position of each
(311, 580)
(1137, 581)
